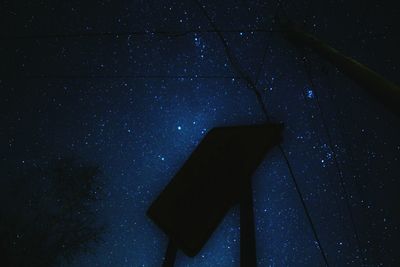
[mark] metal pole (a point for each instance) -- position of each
(381, 89)
(170, 254)
(248, 256)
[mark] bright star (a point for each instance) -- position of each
(310, 93)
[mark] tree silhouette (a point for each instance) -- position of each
(48, 215)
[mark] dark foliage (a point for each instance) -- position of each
(48, 215)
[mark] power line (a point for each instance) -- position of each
(252, 86)
(168, 33)
(334, 156)
(359, 188)
(234, 64)
(330, 144)
(95, 76)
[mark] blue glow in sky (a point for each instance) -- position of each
(116, 100)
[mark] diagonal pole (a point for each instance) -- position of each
(373, 83)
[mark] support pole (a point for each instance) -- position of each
(381, 89)
(170, 254)
(248, 256)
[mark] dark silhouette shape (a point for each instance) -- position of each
(248, 255)
(372, 82)
(47, 215)
(216, 177)
(170, 254)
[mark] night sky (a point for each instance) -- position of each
(104, 80)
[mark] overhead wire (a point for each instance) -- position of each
(133, 76)
(359, 189)
(168, 33)
(334, 156)
(252, 86)
(234, 64)
(239, 75)
(333, 151)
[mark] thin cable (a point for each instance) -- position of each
(236, 67)
(171, 33)
(334, 156)
(263, 59)
(234, 64)
(304, 205)
(330, 144)
(361, 192)
(95, 76)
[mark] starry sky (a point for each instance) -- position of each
(135, 85)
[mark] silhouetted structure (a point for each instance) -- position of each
(377, 86)
(216, 177)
